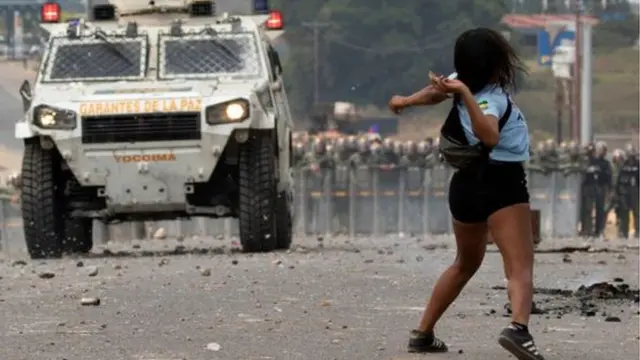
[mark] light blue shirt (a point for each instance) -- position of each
(514, 137)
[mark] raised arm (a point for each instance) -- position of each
(425, 96)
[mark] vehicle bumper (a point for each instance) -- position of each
(156, 177)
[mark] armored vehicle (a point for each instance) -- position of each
(157, 110)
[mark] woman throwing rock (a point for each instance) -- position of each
(485, 137)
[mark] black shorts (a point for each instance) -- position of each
(473, 198)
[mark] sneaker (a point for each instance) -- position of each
(519, 343)
(421, 342)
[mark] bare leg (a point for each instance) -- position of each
(471, 241)
(511, 230)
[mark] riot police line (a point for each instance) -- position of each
(366, 185)
(363, 185)
(384, 200)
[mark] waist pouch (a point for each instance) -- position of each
(455, 147)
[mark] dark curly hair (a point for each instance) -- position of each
(484, 57)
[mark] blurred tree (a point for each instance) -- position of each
(370, 49)
(619, 25)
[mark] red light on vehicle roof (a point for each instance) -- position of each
(50, 12)
(275, 21)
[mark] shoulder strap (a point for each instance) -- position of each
(507, 114)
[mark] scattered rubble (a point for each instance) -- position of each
(92, 271)
(18, 263)
(606, 290)
(163, 262)
(46, 275)
(90, 301)
(586, 300)
(205, 272)
(213, 346)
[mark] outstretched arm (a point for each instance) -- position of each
(426, 96)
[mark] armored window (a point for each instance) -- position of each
(92, 59)
(206, 56)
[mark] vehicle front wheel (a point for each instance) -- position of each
(257, 193)
(284, 222)
(42, 201)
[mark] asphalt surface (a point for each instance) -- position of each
(329, 299)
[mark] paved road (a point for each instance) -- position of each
(326, 300)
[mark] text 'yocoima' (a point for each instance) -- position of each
(145, 158)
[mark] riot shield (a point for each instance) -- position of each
(363, 201)
(413, 201)
(340, 200)
(541, 198)
(439, 220)
(122, 231)
(388, 199)
(317, 203)
(189, 228)
(567, 191)
(300, 201)
(11, 225)
(325, 218)
(207, 227)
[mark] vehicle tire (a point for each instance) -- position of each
(284, 222)
(257, 194)
(42, 201)
(79, 236)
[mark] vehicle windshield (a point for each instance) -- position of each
(209, 56)
(96, 59)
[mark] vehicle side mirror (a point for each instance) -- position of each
(26, 95)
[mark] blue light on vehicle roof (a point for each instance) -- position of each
(261, 6)
(74, 22)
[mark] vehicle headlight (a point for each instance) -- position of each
(49, 117)
(228, 112)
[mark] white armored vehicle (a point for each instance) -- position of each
(157, 110)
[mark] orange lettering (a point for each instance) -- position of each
(145, 157)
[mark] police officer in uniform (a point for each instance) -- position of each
(549, 159)
(317, 164)
(360, 166)
(575, 161)
(605, 185)
(362, 154)
(617, 161)
(627, 192)
(411, 157)
(596, 180)
(341, 179)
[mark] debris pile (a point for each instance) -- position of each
(606, 290)
(587, 300)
